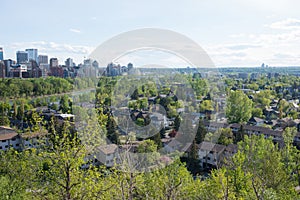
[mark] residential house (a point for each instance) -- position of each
(9, 139)
(210, 154)
(256, 121)
(108, 154)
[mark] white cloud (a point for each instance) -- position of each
(75, 30)
(287, 24)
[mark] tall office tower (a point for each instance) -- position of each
(43, 59)
(32, 54)
(2, 69)
(8, 63)
(1, 53)
(129, 66)
(69, 62)
(22, 56)
(53, 62)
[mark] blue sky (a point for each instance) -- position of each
(232, 32)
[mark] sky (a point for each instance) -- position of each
(234, 33)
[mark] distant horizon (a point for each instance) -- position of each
(229, 31)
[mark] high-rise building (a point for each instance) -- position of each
(53, 62)
(43, 59)
(8, 63)
(32, 54)
(2, 69)
(69, 62)
(1, 53)
(22, 57)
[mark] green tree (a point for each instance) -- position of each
(201, 132)
(112, 130)
(135, 95)
(148, 154)
(238, 108)
(206, 105)
(157, 139)
(177, 122)
(226, 136)
(193, 158)
(65, 104)
(4, 108)
(239, 136)
(257, 112)
(17, 173)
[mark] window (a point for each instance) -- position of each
(6, 146)
(14, 139)
(3, 141)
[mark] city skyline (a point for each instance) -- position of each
(233, 34)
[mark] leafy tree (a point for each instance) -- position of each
(206, 105)
(65, 104)
(17, 172)
(148, 154)
(171, 182)
(262, 159)
(238, 108)
(4, 108)
(226, 136)
(257, 112)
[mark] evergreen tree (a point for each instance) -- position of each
(4, 108)
(65, 104)
(201, 132)
(15, 111)
(20, 113)
(112, 132)
(162, 132)
(193, 161)
(135, 95)
(177, 122)
(239, 136)
(157, 140)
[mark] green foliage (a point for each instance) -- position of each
(112, 131)
(157, 140)
(65, 104)
(238, 108)
(239, 136)
(226, 136)
(18, 88)
(193, 158)
(257, 112)
(4, 109)
(201, 132)
(177, 122)
(206, 105)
